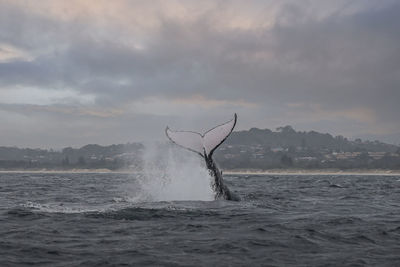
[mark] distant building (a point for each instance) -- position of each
(376, 155)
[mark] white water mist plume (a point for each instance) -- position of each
(170, 173)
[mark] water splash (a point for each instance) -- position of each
(171, 173)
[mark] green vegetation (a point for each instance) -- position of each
(91, 156)
(253, 149)
(287, 148)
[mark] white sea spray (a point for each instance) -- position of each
(171, 173)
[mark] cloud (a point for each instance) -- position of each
(105, 63)
(32, 95)
(9, 53)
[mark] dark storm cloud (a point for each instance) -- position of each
(334, 69)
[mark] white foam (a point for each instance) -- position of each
(59, 208)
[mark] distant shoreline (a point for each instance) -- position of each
(313, 172)
(232, 172)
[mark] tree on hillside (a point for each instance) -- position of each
(286, 161)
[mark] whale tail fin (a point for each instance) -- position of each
(202, 144)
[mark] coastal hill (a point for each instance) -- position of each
(288, 148)
(287, 137)
(253, 149)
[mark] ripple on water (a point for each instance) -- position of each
(95, 219)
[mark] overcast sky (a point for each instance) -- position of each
(79, 72)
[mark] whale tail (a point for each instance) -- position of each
(202, 144)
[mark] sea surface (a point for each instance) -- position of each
(103, 219)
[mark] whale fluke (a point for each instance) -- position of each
(205, 145)
(202, 144)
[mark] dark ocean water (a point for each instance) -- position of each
(95, 220)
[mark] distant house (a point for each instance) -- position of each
(278, 149)
(376, 155)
